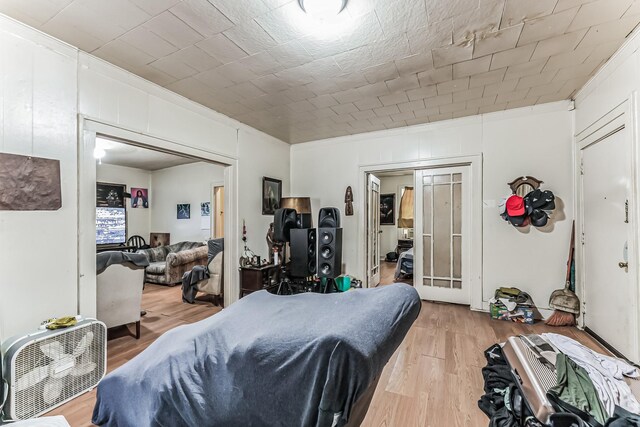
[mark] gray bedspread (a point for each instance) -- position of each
(267, 360)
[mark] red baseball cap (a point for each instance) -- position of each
(515, 205)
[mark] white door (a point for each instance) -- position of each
(442, 255)
(373, 231)
(609, 294)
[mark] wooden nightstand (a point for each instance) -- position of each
(255, 278)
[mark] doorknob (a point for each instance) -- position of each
(623, 264)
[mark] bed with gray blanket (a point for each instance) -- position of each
(404, 268)
(267, 360)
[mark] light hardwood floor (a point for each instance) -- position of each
(433, 379)
(165, 310)
(387, 272)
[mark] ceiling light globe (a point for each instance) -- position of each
(99, 153)
(322, 9)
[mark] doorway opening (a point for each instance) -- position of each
(390, 231)
(180, 208)
(217, 215)
(423, 225)
(157, 207)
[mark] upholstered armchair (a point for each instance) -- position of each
(209, 279)
(119, 294)
(214, 285)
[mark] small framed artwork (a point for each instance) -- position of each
(184, 211)
(205, 209)
(110, 195)
(271, 195)
(139, 198)
(159, 239)
(388, 209)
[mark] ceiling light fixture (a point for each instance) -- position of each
(322, 9)
(99, 153)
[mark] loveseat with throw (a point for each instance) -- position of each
(167, 264)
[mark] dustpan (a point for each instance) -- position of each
(565, 299)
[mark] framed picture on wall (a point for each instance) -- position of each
(110, 195)
(139, 198)
(184, 211)
(388, 209)
(205, 209)
(271, 195)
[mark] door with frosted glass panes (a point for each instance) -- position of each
(373, 231)
(442, 244)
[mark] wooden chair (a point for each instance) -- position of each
(137, 241)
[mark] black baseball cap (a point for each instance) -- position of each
(539, 218)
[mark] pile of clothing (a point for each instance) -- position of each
(513, 305)
(592, 387)
(534, 208)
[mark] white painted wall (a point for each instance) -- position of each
(262, 155)
(611, 86)
(390, 233)
(138, 219)
(191, 183)
(530, 141)
(44, 85)
(38, 255)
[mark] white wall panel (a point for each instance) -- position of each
(118, 97)
(191, 183)
(611, 86)
(38, 261)
(259, 155)
(530, 141)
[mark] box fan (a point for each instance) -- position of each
(45, 369)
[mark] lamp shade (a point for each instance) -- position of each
(300, 204)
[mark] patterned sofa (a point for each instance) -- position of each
(167, 264)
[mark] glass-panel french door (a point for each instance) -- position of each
(373, 231)
(442, 240)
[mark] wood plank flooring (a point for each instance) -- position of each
(433, 379)
(387, 272)
(165, 310)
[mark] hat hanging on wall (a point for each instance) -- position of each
(527, 204)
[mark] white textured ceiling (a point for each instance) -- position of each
(390, 63)
(131, 156)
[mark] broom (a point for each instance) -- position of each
(564, 301)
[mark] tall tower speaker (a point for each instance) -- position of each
(303, 252)
(329, 218)
(329, 252)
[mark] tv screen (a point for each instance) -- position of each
(111, 226)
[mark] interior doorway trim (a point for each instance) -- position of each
(88, 129)
(475, 164)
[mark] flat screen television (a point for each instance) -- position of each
(111, 226)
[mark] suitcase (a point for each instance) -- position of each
(532, 377)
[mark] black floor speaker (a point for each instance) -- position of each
(329, 252)
(329, 218)
(303, 252)
(283, 221)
